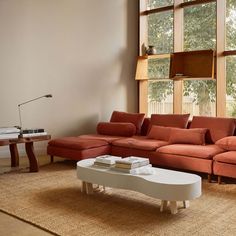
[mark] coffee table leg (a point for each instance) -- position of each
(186, 204)
(29, 147)
(83, 187)
(173, 207)
(89, 188)
(164, 204)
(14, 155)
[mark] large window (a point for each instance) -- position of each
(199, 96)
(189, 25)
(231, 86)
(160, 97)
(200, 27)
(160, 35)
(231, 25)
(231, 60)
(160, 31)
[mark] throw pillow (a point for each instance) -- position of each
(135, 118)
(159, 133)
(116, 129)
(227, 143)
(188, 136)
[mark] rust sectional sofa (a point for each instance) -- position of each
(206, 144)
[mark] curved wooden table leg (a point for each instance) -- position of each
(33, 162)
(14, 155)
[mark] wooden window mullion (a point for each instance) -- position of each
(143, 41)
(221, 60)
(178, 47)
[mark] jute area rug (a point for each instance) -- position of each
(51, 199)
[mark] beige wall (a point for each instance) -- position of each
(81, 51)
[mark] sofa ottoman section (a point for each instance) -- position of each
(225, 165)
(77, 148)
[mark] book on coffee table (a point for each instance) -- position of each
(106, 160)
(131, 162)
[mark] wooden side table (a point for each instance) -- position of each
(29, 148)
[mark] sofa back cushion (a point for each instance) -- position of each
(169, 120)
(227, 143)
(188, 136)
(159, 133)
(116, 129)
(134, 118)
(218, 128)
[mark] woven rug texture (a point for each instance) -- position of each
(51, 199)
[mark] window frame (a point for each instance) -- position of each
(178, 39)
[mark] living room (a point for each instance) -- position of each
(85, 53)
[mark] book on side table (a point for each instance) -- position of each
(32, 133)
(9, 132)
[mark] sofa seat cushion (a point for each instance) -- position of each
(226, 157)
(141, 143)
(77, 143)
(199, 151)
(107, 138)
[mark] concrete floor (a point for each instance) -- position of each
(9, 225)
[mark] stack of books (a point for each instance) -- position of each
(32, 133)
(106, 161)
(9, 132)
(131, 164)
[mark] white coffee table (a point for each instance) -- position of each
(168, 185)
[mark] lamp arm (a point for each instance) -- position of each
(19, 105)
(31, 100)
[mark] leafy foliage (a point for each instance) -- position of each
(199, 34)
(159, 3)
(160, 31)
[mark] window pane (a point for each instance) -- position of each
(199, 97)
(231, 86)
(231, 25)
(160, 97)
(158, 3)
(200, 27)
(158, 68)
(160, 31)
